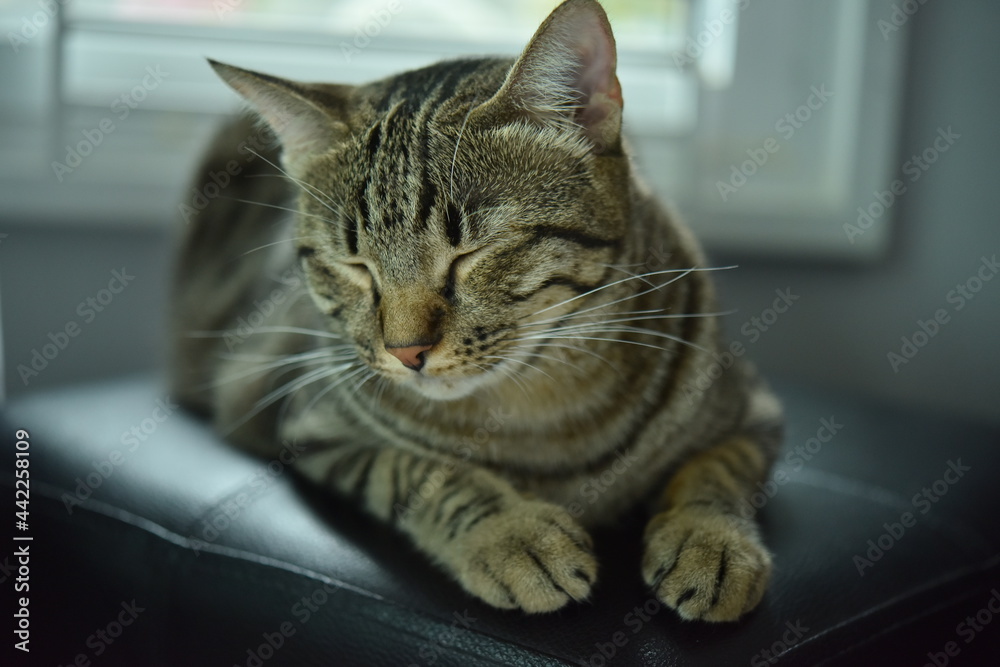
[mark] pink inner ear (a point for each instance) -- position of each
(567, 73)
(597, 78)
(596, 52)
(596, 81)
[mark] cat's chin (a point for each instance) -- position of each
(446, 389)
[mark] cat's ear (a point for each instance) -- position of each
(303, 116)
(567, 73)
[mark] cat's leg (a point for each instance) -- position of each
(508, 550)
(700, 557)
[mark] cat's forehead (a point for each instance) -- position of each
(438, 87)
(418, 180)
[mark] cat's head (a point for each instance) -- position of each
(446, 212)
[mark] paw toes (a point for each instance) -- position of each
(532, 563)
(705, 568)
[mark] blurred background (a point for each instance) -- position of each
(843, 154)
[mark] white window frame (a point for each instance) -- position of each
(677, 145)
(857, 129)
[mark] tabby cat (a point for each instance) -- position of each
(443, 290)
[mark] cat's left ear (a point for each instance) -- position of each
(567, 73)
(305, 117)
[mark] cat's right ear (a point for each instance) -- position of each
(304, 117)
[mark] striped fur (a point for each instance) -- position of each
(484, 212)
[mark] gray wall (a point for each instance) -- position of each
(838, 332)
(47, 274)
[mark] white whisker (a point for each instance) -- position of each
(509, 373)
(380, 386)
(615, 340)
(683, 272)
(354, 372)
(283, 391)
(284, 208)
(572, 348)
(632, 316)
(534, 352)
(284, 365)
(271, 245)
(356, 387)
(598, 324)
(624, 268)
(266, 358)
(308, 189)
(523, 363)
(263, 330)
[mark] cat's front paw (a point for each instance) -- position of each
(532, 556)
(705, 565)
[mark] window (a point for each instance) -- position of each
(783, 157)
(708, 85)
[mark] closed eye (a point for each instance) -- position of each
(358, 271)
(463, 262)
(459, 270)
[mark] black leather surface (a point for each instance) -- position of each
(214, 597)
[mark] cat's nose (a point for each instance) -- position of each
(411, 356)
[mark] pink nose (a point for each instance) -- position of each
(412, 356)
